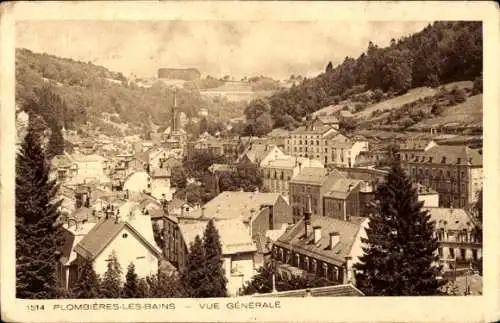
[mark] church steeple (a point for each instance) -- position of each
(173, 124)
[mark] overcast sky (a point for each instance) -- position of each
(276, 49)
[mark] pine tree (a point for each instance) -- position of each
(142, 288)
(111, 282)
(56, 143)
(39, 235)
(165, 285)
(194, 272)
(329, 67)
(130, 288)
(400, 249)
(88, 284)
(214, 283)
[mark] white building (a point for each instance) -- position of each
(128, 233)
(459, 237)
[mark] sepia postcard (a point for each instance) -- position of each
(249, 161)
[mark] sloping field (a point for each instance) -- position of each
(469, 112)
(397, 102)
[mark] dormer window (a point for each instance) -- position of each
(443, 160)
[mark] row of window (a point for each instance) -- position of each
(461, 253)
(461, 236)
(437, 173)
(308, 264)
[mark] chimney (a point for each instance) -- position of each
(307, 216)
(117, 216)
(348, 278)
(317, 234)
(349, 188)
(334, 239)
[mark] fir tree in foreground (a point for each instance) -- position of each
(88, 284)
(39, 237)
(400, 250)
(193, 273)
(131, 286)
(165, 285)
(56, 142)
(111, 282)
(214, 283)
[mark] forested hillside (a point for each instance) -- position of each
(83, 91)
(441, 53)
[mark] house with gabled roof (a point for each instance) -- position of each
(122, 237)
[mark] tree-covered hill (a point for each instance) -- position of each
(441, 53)
(87, 91)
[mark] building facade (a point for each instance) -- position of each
(459, 237)
(278, 173)
(455, 172)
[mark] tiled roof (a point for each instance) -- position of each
(341, 188)
(102, 234)
(290, 162)
(230, 205)
(160, 172)
(345, 113)
(315, 176)
(234, 235)
(293, 239)
(451, 219)
(316, 130)
(414, 144)
(328, 291)
(450, 155)
(328, 119)
(61, 161)
(256, 152)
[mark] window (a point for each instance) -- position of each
(452, 253)
(462, 253)
(125, 235)
(440, 251)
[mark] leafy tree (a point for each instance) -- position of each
(39, 235)
(194, 272)
(246, 177)
(214, 282)
(178, 178)
(88, 284)
(203, 125)
(400, 249)
(131, 286)
(478, 85)
(437, 109)
(111, 281)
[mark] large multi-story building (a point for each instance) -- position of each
(455, 172)
(277, 173)
(325, 247)
(324, 143)
(459, 237)
(310, 183)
